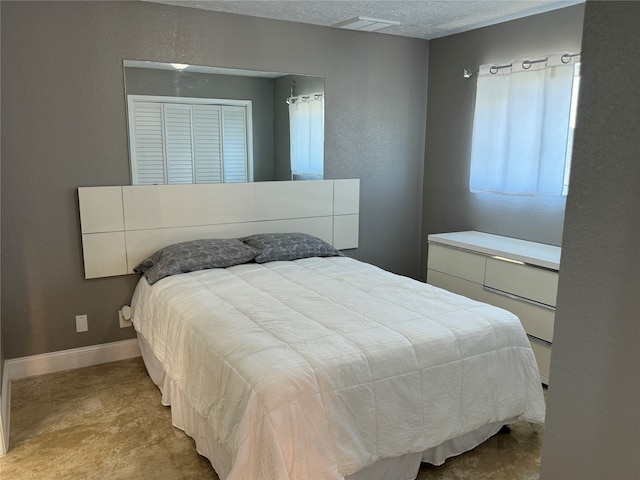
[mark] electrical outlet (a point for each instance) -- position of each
(123, 323)
(81, 323)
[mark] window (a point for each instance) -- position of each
(523, 127)
(189, 140)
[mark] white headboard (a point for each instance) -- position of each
(123, 225)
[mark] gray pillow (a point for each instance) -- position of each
(195, 255)
(289, 246)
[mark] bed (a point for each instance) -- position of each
(317, 366)
(321, 367)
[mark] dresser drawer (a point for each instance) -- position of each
(456, 262)
(455, 284)
(537, 284)
(537, 320)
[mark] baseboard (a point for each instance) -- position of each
(69, 359)
(5, 410)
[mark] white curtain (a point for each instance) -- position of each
(520, 127)
(306, 124)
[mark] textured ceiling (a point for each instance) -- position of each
(418, 18)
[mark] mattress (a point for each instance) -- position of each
(322, 367)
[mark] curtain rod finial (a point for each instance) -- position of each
(468, 73)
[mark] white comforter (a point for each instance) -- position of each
(317, 368)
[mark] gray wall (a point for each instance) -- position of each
(593, 416)
(63, 126)
(448, 204)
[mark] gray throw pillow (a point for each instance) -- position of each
(195, 255)
(289, 246)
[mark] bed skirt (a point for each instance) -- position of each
(184, 417)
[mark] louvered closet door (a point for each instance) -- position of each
(207, 143)
(182, 142)
(148, 143)
(234, 134)
(179, 143)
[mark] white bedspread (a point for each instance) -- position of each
(315, 369)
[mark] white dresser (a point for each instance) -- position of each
(516, 275)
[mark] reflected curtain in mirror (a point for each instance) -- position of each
(306, 123)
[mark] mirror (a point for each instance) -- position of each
(183, 87)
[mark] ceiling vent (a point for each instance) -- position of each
(365, 24)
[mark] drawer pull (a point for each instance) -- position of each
(539, 340)
(511, 260)
(518, 297)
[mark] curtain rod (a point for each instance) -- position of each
(303, 98)
(526, 64)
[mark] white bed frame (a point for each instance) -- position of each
(122, 225)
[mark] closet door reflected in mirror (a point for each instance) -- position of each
(189, 140)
